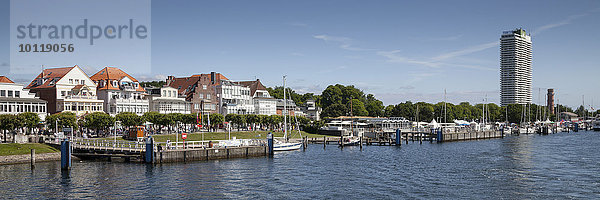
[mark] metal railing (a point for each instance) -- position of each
(140, 146)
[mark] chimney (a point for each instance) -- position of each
(170, 79)
(212, 78)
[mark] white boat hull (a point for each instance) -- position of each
(287, 146)
(351, 141)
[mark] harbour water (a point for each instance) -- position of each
(557, 166)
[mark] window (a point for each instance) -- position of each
(77, 81)
(207, 96)
(62, 93)
(204, 87)
(2, 93)
(10, 93)
(84, 93)
(82, 82)
(17, 94)
(70, 81)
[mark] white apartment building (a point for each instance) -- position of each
(14, 99)
(120, 92)
(166, 100)
(515, 67)
(234, 98)
(66, 89)
(264, 104)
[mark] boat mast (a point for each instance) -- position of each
(284, 112)
(445, 120)
(351, 119)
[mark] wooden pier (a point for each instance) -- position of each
(406, 137)
(161, 152)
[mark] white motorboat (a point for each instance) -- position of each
(350, 141)
(526, 130)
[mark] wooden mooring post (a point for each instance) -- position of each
(360, 142)
(32, 158)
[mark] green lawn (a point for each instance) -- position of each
(20, 149)
(224, 136)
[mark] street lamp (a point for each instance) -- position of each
(229, 129)
(177, 134)
(119, 122)
(56, 127)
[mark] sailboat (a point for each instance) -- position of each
(285, 144)
(350, 140)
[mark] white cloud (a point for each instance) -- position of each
(298, 24)
(344, 42)
(157, 77)
(465, 51)
(447, 38)
(560, 23)
(393, 57)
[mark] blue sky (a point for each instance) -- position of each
(394, 49)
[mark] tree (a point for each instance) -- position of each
(189, 118)
(331, 95)
(334, 110)
(216, 119)
(230, 117)
(239, 120)
(8, 122)
(374, 107)
(129, 119)
(65, 119)
(357, 107)
(253, 120)
(389, 110)
(98, 121)
(30, 120)
(514, 113)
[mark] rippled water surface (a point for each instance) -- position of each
(559, 166)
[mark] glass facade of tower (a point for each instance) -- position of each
(515, 67)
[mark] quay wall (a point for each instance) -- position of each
(184, 155)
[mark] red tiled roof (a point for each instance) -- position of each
(110, 74)
(254, 85)
(48, 75)
(181, 84)
(4, 79)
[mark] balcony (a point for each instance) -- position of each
(128, 101)
(80, 97)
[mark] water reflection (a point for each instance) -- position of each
(523, 167)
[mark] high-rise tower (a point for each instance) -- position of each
(515, 67)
